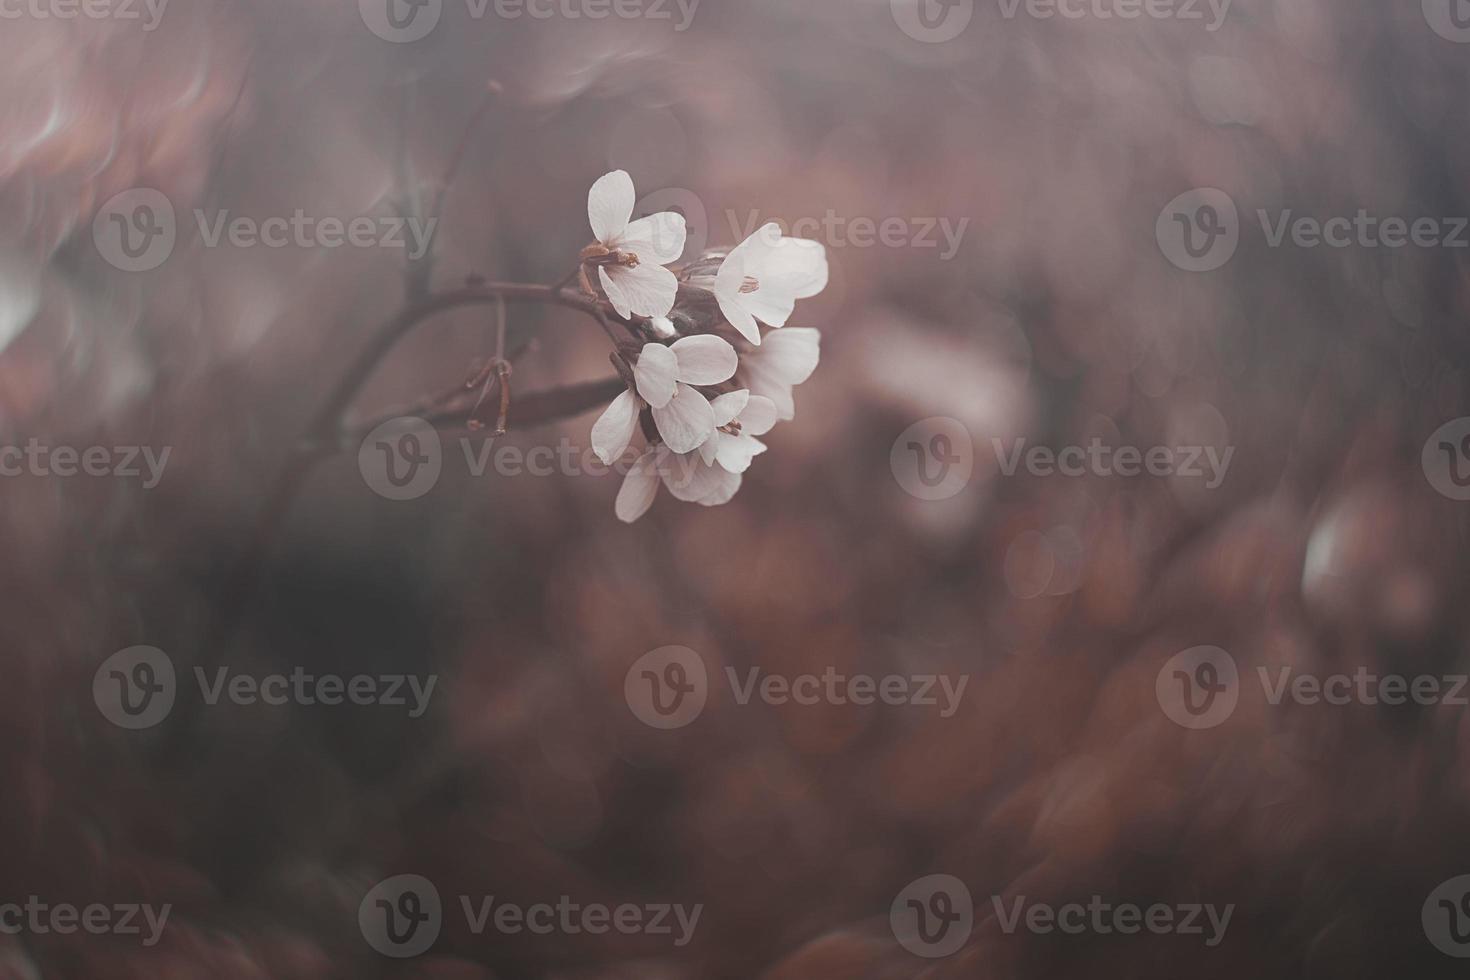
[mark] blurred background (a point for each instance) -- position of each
(1051, 148)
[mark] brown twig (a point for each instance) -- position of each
(323, 437)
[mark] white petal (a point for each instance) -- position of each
(690, 479)
(747, 257)
(764, 385)
(639, 488)
(736, 452)
(705, 359)
(610, 205)
(776, 270)
(758, 417)
(792, 354)
(802, 266)
(658, 238)
(710, 448)
(646, 289)
(686, 421)
(615, 294)
(739, 317)
(656, 374)
(728, 407)
(614, 428)
(724, 489)
(662, 327)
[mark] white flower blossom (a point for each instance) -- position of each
(665, 378)
(739, 418)
(763, 277)
(643, 287)
(688, 477)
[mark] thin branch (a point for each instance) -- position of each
(327, 420)
(536, 408)
(492, 94)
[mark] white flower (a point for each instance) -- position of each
(786, 360)
(664, 377)
(644, 288)
(763, 277)
(750, 416)
(688, 478)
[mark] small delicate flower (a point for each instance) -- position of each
(664, 378)
(787, 358)
(739, 418)
(638, 283)
(763, 277)
(688, 477)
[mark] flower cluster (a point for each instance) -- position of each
(705, 382)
